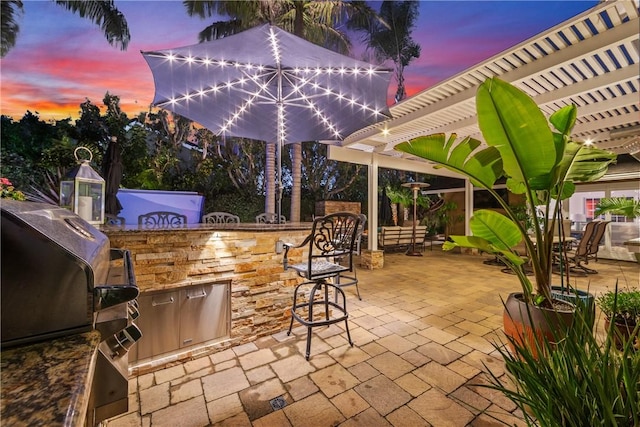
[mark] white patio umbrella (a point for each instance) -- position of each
(267, 84)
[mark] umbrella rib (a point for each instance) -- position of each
(229, 85)
(327, 92)
(264, 86)
(324, 118)
(206, 61)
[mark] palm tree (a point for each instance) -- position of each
(391, 38)
(102, 13)
(627, 207)
(316, 21)
(10, 28)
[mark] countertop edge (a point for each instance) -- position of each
(241, 227)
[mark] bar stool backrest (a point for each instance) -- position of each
(220, 218)
(269, 218)
(162, 219)
(333, 236)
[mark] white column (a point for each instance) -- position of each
(373, 203)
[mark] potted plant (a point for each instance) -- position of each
(402, 197)
(583, 382)
(622, 308)
(539, 163)
(441, 220)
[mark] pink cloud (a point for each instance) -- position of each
(61, 59)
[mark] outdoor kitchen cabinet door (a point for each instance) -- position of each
(204, 313)
(159, 322)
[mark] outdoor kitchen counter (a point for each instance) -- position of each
(172, 257)
(48, 383)
(242, 226)
(248, 257)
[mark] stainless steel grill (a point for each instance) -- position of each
(60, 277)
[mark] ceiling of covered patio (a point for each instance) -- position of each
(590, 60)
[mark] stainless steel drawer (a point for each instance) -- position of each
(170, 320)
(159, 322)
(204, 313)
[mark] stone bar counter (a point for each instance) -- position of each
(243, 254)
(48, 383)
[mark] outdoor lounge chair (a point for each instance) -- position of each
(577, 256)
(330, 248)
(594, 243)
(220, 218)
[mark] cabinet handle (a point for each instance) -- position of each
(155, 304)
(202, 295)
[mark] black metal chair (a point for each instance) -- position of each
(269, 218)
(346, 278)
(160, 219)
(114, 220)
(330, 248)
(220, 218)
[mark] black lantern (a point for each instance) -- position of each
(82, 191)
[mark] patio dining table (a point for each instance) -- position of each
(568, 240)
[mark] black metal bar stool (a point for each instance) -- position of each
(330, 247)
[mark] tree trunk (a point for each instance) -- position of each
(270, 179)
(296, 177)
(296, 157)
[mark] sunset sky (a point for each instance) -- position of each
(60, 59)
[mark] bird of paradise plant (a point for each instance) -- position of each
(538, 159)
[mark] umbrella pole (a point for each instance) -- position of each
(278, 180)
(280, 124)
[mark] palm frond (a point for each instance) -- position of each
(9, 25)
(629, 208)
(103, 13)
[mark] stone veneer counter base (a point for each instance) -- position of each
(245, 254)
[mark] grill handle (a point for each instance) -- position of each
(121, 284)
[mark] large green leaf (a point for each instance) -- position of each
(475, 242)
(482, 167)
(588, 164)
(496, 228)
(564, 119)
(493, 233)
(512, 122)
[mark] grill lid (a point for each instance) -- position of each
(65, 229)
(56, 271)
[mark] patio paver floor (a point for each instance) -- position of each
(423, 334)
